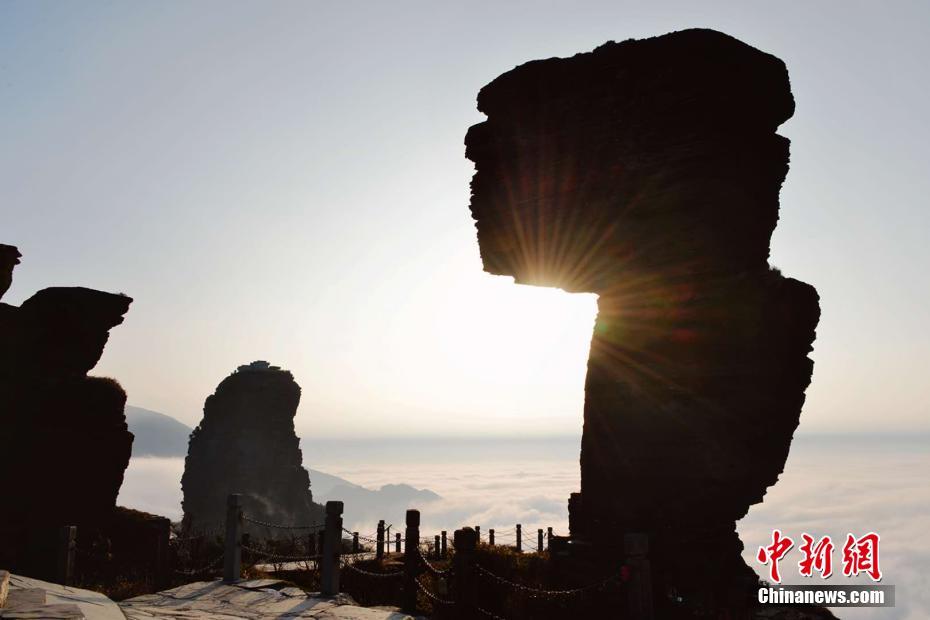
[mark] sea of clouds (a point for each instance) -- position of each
(831, 486)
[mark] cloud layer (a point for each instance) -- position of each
(830, 486)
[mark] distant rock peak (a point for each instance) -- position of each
(246, 444)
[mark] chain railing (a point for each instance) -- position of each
(280, 558)
(488, 614)
(207, 568)
(431, 569)
(367, 573)
(327, 552)
(278, 526)
(542, 593)
(433, 598)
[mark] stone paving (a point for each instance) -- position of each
(258, 599)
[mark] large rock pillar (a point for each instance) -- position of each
(246, 444)
(648, 172)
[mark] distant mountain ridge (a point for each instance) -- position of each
(368, 505)
(156, 433)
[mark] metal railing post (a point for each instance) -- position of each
(232, 555)
(519, 538)
(436, 547)
(463, 572)
(411, 561)
(443, 543)
(379, 552)
(397, 542)
(539, 540)
(332, 549)
(636, 547)
(162, 528)
(67, 536)
(354, 542)
(549, 538)
(491, 536)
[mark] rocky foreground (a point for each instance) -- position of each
(258, 599)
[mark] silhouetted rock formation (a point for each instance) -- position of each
(9, 258)
(65, 441)
(246, 444)
(648, 172)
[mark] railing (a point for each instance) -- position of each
(462, 579)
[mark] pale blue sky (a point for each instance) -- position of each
(287, 181)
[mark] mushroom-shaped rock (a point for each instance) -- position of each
(648, 172)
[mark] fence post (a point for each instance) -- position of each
(463, 572)
(636, 546)
(311, 544)
(332, 548)
(379, 552)
(397, 542)
(519, 538)
(437, 546)
(162, 528)
(411, 561)
(491, 536)
(354, 542)
(549, 538)
(232, 556)
(539, 541)
(478, 533)
(66, 543)
(443, 543)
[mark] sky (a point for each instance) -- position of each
(286, 181)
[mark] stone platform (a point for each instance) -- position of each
(33, 599)
(259, 599)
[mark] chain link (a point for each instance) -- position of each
(279, 556)
(316, 526)
(545, 593)
(368, 539)
(432, 596)
(489, 614)
(199, 571)
(368, 573)
(432, 569)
